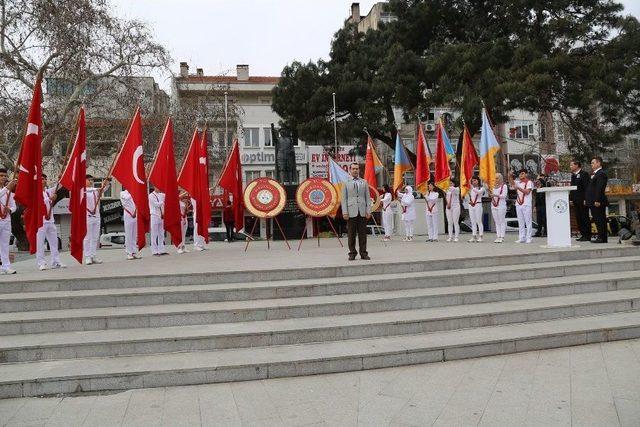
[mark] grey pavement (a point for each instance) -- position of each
(591, 385)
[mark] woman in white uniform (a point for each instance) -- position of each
(407, 201)
(387, 213)
(475, 209)
(499, 195)
(452, 210)
(431, 212)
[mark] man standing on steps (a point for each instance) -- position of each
(580, 179)
(356, 210)
(596, 199)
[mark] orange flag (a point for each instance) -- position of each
(423, 159)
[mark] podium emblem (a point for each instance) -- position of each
(560, 206)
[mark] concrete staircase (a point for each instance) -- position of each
(67, 336)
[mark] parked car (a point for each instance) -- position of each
(219, 234)
(112, 240)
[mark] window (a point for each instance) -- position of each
(270, 173)
(521, 132)
(221, 140)
(267, 137)
(250, 176)
(251, 137)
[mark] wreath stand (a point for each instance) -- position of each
(314, 218)
(269, 234)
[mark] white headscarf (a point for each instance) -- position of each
(409, 189)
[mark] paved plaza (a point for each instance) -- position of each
(592, 385)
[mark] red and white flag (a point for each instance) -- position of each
(29, 187)
(73, 179)
(163, 176)
(129, 170)
(231, 181)
(194, 178)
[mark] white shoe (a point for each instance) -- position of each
(137, 256)
(58, 265)
(130, 257)
(180, 251)
(88, 260)
(530, 241)
(519, 241)
(456, 239)
(43, 267)
(479, 239)
(97, 260)
(497, 240)
(406, 239)
(472, 239)
(449, 239)
(198, 249)
(9, 271)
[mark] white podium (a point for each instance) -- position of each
(558, 220)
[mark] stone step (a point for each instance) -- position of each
(117, 297)
(153, 316)
(69, 345)
(160, 370)
(242, 276)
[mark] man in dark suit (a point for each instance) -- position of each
(580, 179)
(596, 199)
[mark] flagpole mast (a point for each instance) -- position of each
(335, 125)
(226, 123)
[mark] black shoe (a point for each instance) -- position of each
(537, 235)
(598, 240)
(365, 257)
(352, 257)
(583, 239)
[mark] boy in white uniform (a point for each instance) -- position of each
(92, 238)
(431, 212)
(499, 207)
(407, 201)
(475, 209)
(156, 209)
(48, 231)
(130, 225)
(524, 188)
(184, 209)
(7, 207)
(452, 210)
(387, 213)
(198, 241)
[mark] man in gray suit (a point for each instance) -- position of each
(356, 210)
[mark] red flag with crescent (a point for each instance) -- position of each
(129, 170)
(194, 178)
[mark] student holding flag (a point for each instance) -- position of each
(524, 188)
(452, 210)
(499, 194)
(387, 213)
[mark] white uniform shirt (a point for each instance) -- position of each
(127, 203)
(452, 197)
(93, 202)
(432, 202)
(408, 206)
(7, 205)
(521, 198)
(47, 194)
(475, 196)
(499, 196)
(387, 199)
(156, 204)
(183, 210)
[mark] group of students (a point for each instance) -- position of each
(473, 202)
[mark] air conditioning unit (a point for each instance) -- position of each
(430, 127)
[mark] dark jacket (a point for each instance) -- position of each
(596, 188)
(228, 215)
(580, 180)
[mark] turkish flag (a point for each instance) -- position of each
(74, 179)
(231, 180)
(129, 170)
(29, 187)
(194, 178)
(163, 176)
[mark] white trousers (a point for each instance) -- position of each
(500, 218)
(198, 240)
(432, 225)
(49, 232)
(157, 235)
(387, 222)
(475, 214)
(5, 237)
(183, 224)
(91, 240)
(453, 219)
(408, 227)
(524, 222)
(130, 235)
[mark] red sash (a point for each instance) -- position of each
(475, 199)
(495, 200)
(47, 208)
(95, 205)
(4, 208)
(519, 200)
(131, 214)
(449, 200)
(430, 207)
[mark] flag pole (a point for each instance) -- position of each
(335, 125)
(72, 141)
(155, 156)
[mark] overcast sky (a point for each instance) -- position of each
(266, 34)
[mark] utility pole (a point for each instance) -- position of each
(335, 126)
